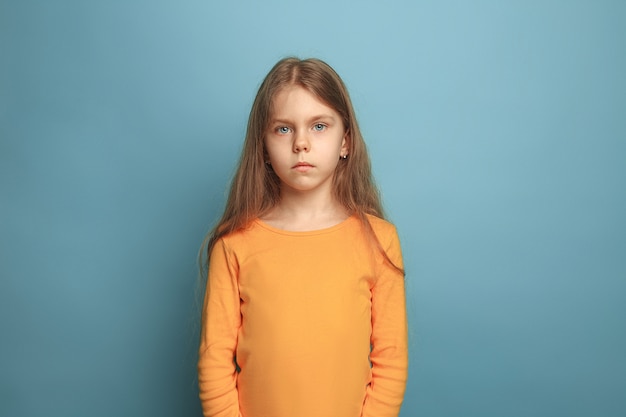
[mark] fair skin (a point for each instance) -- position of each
(305, 141)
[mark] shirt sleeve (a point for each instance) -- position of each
(221, 319)
(389, 355)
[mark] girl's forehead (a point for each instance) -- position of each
(291, 90)
(296, 99)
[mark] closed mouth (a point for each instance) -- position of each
(302, 164)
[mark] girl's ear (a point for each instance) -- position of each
(345, 143)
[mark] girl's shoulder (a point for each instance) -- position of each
(239, 233)
(381, 226)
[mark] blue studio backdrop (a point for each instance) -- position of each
(497, 132)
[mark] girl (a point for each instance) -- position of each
(304, 312)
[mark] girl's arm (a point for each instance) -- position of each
(389, 355)
(221, 319)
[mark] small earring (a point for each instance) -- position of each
(344, 156)
(267, 163)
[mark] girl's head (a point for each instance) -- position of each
(352, 183)
(256, 188)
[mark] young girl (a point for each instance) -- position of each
(304, 312)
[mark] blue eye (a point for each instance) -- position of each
(283, 130)
(319, 127)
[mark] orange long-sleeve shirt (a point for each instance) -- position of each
(306, 324)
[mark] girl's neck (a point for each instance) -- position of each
(305, 212)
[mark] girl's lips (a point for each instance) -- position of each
(302, 166)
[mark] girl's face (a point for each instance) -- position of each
(304, 141)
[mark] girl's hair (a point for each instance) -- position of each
(256, 188)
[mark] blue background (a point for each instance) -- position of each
(497, 132)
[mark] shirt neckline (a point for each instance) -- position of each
(329, 229)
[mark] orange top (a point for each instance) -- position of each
(306, 324)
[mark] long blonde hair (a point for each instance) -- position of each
(256, 188)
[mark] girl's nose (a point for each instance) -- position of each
(301, 143)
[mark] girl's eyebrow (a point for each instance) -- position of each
(311, 119)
